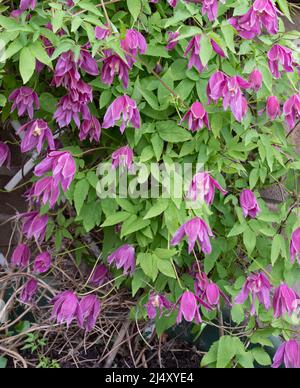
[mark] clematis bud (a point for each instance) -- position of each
(195, 230)
(42, 263)
(34, 225)
(113, 65)
(66, 307)
(36, 133)
(203, 188)
(99, 276)
(90, 128)
(194, 49)
(123, 157)
(196, 117)
(25, 100)
(189, 308)
(28, 291)
(289, 354)
(280, 55)
(45, 191)
(123, 107)
(88, 312)
(291, 110)
(156, 303)
(123, 257)
(172, 40)
(249, 204)
(285, 301)
(5, 155)
(21, 256)
(273, 107)
(208, 291)
(255, 80)
(258, 286)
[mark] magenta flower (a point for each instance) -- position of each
(88, 312)
(289, 354)
(194, 49)
(196, 117)
(66, 307)
(24, 6)
(123, 157)
(35, 225)
(291, 110)
(66, 71)
(156, 303)
(102, 33)
(113, 65)
(123, 107)
(208, 291)
(45, 191)
(68, 110)
(285, 301)
(123, 257)
(189, 308)
(82, 93)
(172, 40)
(217, 49)
(133, 44)
(203, 188)
(210, 8)
(216, 86)
(28, 291)
(99, 276)
(295, 246)
(21, 256)
(280, 55)
(249, 204)
(247, 25)
(255, 80)
(172, 3)
(36, 133)
(258, 286)
(273, 108)
(195, 230)
(86, 62)
(5, 155)
(90, 128)
(42, 263)
(25, 100)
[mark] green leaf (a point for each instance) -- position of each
(80, 194)
(148, 263)
(157, 209)
(261, 356)
(40, 53)
(284, 6)
(171, 132)
(212, 355)
(237, 229)
(57, 20)
(166, 268)
(249, 238)
(115, 219)
(134, 226)
(3, 362)
(26, 64)
(206, 51)
(228, 33)
(276, 248)
(228, 348)
(138, 281)
(134, 7)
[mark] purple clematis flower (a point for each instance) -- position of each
(133, 44)
(42, 263)
(295, 246)
(68, 110)
(195, 230)
(25, 100)
(34, 225)
(285, 301)
(258, 286)
(210, 8)
(203, 188)
(21, 256)
(172, 40)
(289, 354)
(28, 291)
(123, 157)
(36, 133)
(99, 276)
(255, 80)
(5, 155)
(291, 110)
(102, 33)
(208, 291)
(280, 55)
(66, 307)
(90, 128)
(114, 65)
(24, 6)
(216, 86)
(194, 49)
(189, 307)
(273, 108)
(66, 71)
(86, 62)
(88, 312)
(123, 257)
(196, 117)
(83, 93)
(156, 303)
(45, 191)
(249, 204)
(123, 107)
(62, 165)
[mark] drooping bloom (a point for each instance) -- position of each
(36, 133)
(88, 312)
(21, 256)
(25, 100)
(62, 165)
(172, 3)
(102, 33)
(291, 110)
(280, 55)
(203, 188)
(28, 291)
(86, 62)
(258, 286)
(172, 40)
(66, 307)
(99, 276)
(249, 204)
(5, 155)
(217, 49)
(157, 302)
(285, 301)
(82, 93)
(208, 291)
(189, 307)
(66, 71)
(193, 49)
(195, 230)
(68, 110)
(24, 6)
(90, 128)
(133, 44)
(295, 246)
(122, 108)
(289, 354)
(255, 80)
(114, 65)
(196, 117)
(42, 263)
(216, 86)
(273, 108)
(34, 225)
(46, 190)
(210, 8)
(123, 257)
(122, 157)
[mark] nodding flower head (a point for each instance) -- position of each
(189, 307)
(5, 155)
(203, 188)
(285, 301)
(25, 100)
(123, 157)
(123, 257)
(157, 303)
(196, 117)
(288, 354)
(249, 204)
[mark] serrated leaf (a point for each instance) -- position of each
(157, 209)
(80, 194)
